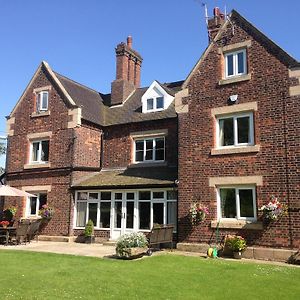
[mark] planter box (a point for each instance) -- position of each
(131, 253)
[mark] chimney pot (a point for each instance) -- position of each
(216, 11)
(129, 41)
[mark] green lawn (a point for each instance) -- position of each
(31, 275)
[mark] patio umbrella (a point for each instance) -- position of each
(6, 190)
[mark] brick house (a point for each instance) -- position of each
(227, 136)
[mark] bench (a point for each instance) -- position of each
(159, 235)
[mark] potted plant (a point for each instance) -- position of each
(198, 213)
(131, 245)
(237, 244)
(46, 212)
(4, 223)
(273, 210)
(89, 232)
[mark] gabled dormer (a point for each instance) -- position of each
(156, 98)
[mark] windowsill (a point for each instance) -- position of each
(40, 114)
(148, 164)
(237, 224)
(235, 79)
(95, 228)
(37, 166)
(235, 150)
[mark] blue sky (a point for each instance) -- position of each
(77, 38)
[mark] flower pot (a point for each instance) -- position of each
(237, 254)
(90, 239)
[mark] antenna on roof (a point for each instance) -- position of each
(206, 13)
(227, 17)
(225, 11)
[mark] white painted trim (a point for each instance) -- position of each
(154, 92)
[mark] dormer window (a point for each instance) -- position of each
(156, 98)
(155, 104)
(42, 101)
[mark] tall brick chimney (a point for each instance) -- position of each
(128, 73)
(215, 23)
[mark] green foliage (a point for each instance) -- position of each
(33, 275)
(2, 148)
(130, 240)
(89, 228)
(236, 243)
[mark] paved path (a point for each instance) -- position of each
(96, 250)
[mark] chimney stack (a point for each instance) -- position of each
(215, 23)
(128, 73)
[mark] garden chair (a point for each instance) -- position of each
(19, 235)
(33, 230)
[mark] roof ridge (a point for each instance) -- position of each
(78, 83)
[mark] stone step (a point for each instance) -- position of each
(51, 238)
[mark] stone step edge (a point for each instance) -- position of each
(273, 254)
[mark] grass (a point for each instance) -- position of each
(31, 275)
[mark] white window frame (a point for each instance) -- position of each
(155, 104)
(144, 139)
(39, 161)
(136, 201)
(235, 63)
(235, 129)
(237, 188)
(28, 206)
(39, 101)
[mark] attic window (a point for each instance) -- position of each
(42, 101)
(155, 104)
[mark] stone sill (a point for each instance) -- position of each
(37, 166)
(150, 164)
(235, 150)
(235, 79)
(40, 114)
(238, 224)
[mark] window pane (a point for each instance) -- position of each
(129, 214)
(93, 207)
(246, 203)
(45, 101)
(226, 132)
(228, 203)
(145, 195)
(33, 203)
(81, 214)
(172, 214)
(144, 215)
(158, 195)
(105, 195)
(139, 145)
(93, 196)
(240, 59)
(160, 143)
(243, 130)
(160, 149)
(35, 151)
(118, 196)
(130, 196)
(82, 196)
(42, 200)
(105, 215)
(118, 214)
(139, 156)
(149, 149)
(229, 61)
(45, 151)
(158, 213)
(149, 104)
(172, 195)
(160, 102)
(38, 102)
(159, 155)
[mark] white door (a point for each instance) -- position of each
(123, 214)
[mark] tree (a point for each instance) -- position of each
(2, 151)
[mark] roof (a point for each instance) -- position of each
(96, 109)
(131, 177)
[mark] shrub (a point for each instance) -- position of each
(89, 228)
(130, 240)
(236, 243)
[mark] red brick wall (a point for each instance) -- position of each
(118, 145)
(269, 88)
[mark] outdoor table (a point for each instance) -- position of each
(6, 231)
